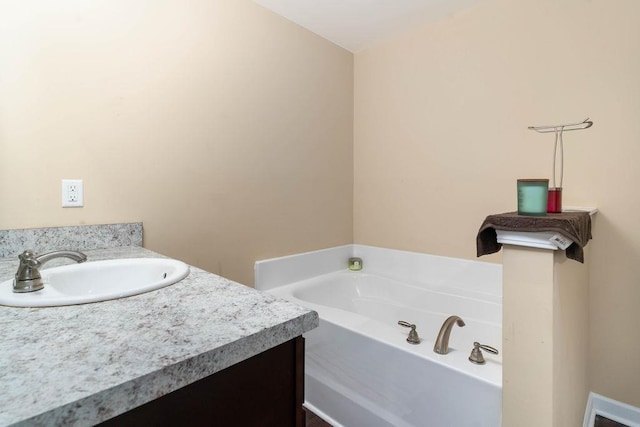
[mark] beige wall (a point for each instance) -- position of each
(441, 118)
(545, 338)
(226, 129)
(528, 346)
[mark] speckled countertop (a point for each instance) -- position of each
(82, 364)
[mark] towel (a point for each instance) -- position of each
(574, 225)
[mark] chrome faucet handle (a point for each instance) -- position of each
(28, 268)
(476, 354)
(29, 258)
(413, 337)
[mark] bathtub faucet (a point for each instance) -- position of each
(442, 341)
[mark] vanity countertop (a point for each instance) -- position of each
(82, 364)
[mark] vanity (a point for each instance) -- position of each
(203, 351)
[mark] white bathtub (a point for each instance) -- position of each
(359, 369)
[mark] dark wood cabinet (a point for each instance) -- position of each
(262, 391)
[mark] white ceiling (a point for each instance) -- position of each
(359, 24)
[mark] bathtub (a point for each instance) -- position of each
(359, 369)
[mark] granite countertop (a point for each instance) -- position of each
(82, 364)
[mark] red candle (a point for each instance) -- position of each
(554, 201)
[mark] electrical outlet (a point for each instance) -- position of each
(72, 193)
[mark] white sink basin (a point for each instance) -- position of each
(97, 281)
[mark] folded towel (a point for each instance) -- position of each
(574, 225)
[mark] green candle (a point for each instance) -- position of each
(532, 196)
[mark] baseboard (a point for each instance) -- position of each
(611, 409)
(322, 415)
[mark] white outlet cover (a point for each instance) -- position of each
(72, 193)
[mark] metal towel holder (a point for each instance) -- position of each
(559, 129)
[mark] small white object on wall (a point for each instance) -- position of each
(72, 193)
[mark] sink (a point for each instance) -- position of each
(97, 281)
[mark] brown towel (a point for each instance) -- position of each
(574, 225)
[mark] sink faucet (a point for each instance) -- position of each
(28, 277)
(442, 341)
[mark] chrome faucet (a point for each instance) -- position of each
(28, 277)
(442, 341)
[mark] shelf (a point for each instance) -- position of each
(538, 239)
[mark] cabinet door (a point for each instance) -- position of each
(264, 390)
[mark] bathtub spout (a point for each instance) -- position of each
(442, 341)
